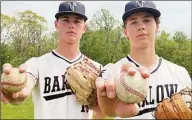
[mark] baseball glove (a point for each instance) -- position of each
(81, 78)
(175, 107)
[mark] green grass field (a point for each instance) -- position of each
(24, 111)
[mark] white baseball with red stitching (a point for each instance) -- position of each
(131, 89)
(13, 82)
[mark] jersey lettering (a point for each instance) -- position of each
(47, 85)
(161, 91)
(56, 84)
(85, 108)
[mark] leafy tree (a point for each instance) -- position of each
(7, 23)
(176, 49)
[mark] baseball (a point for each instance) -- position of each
(13, 82)
(131, 89)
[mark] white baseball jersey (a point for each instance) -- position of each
(52, 97)
(166, 78)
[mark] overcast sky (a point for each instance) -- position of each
(175, 15)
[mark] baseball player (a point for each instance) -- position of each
(141, 24)
(51, 94)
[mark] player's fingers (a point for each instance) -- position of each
(125, 67)
(15, 95)
(101, 90)
(22, 68)
(7, 68)
(144, 72)
(4, 99)
(110, 87)
(24, 93)
(130, 68)
(131, 71)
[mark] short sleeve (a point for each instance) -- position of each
(32, 68)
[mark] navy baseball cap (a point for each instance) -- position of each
(140, 6)
(69, 7)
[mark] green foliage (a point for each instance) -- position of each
(176, 49)
(102, 41)
(24, 34)
(103, 20)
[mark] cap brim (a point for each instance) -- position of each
(71, 13)
(153, 11)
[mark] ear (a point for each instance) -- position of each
(125, 32)
(85, 28)
(157, 29)
(56, 24)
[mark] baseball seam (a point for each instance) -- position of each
(12, 84)
(129, 88)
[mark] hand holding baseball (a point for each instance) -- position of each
(13, 84)
(108, 101)
(131, 88)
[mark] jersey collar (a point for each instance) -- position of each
(65, 59)
(138, 65)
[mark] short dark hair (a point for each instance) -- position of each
(157, 20)
(68, 14)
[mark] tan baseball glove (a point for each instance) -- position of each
(179, 106)
(81, 78)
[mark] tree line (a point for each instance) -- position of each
(25, 35)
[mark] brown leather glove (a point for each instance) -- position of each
(81, 78)
(175, 107)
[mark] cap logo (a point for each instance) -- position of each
(72, 5)
(140, 3)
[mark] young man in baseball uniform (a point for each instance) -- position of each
(52, 96)
(141, 24)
